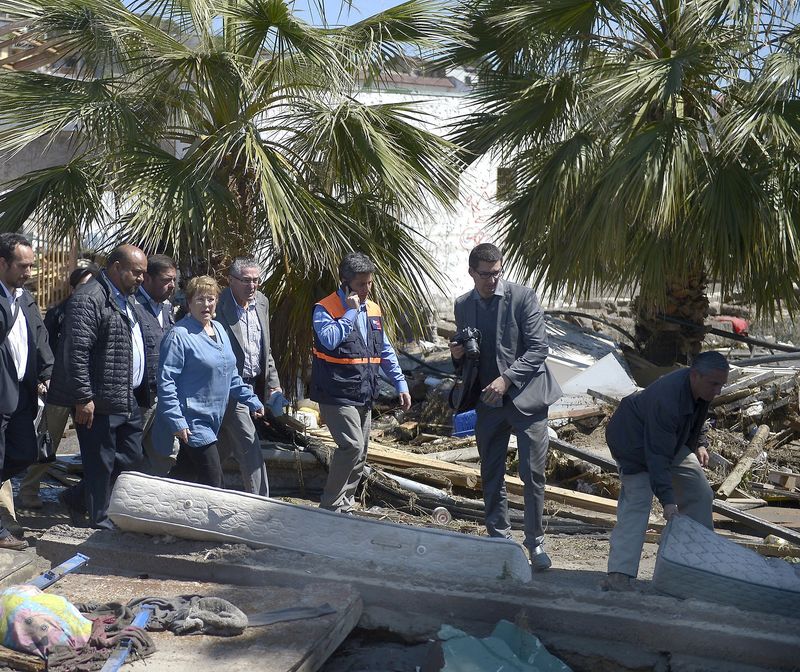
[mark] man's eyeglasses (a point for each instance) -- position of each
(247, 281)
(485, 275)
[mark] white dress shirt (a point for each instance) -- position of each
(18, 336)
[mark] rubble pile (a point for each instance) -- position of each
(416, 448)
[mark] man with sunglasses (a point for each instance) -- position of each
(244, 312)
(516, 388)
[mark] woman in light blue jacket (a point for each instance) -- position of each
(197, 375)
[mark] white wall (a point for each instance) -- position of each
(449, 236)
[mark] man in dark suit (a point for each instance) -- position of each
(154, 311)
(515, 387)
(244, 312)
(25, 364)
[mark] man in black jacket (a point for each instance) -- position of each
(25, 364)
(100, 363)
(657, 438)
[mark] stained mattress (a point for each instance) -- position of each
(152, 505)
(695, 562)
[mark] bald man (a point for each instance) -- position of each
(100, 362)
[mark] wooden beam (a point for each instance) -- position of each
(24, 662)
(755, 449)
(514, 485)
(575, 413)
(587, 456)
(612, 401)
(754, 522)
(744, 384)
(464, 454)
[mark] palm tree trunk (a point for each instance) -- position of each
(664, 343)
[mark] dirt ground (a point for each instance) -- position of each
(579, 558)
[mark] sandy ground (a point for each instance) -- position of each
(578, 559)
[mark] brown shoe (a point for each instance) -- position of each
(12, 543)
(11, 525)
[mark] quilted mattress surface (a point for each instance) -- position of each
(695, 562)
(151, 505)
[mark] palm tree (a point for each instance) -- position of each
(655, 145)
(212, 128)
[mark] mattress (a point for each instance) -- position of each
(151, 505)
(695, 562)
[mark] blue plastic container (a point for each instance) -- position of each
(464, 423)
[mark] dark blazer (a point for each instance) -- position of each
(521, 342)
(152, 333)
(40, 358)
(228, 316)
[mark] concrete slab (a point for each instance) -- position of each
(295, 646)
(18, 566)
(556, 604)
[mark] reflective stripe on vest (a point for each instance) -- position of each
(342, 360)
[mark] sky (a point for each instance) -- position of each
(337, 12)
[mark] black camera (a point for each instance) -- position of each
(470, 338)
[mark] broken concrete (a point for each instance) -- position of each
(19, 566)
(295, 646)
(556, 605)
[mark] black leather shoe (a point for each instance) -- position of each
(539, 559)
(12, 543)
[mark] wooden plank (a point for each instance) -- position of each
(587, 456)
(603, 397)
(744, 384)
(773, 494)
(24, 662)
(745, 503)
(327, 641)
(465, 454)
(755, 449)
(514, 485)
(575, 413)
(784, 479)
(772, 391)
(301, 645)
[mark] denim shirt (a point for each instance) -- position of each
(197, 376)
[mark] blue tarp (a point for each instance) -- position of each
(507, 649)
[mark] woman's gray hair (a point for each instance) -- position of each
(240, 263)
(706, 362)
(353, 264)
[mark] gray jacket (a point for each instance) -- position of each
(228, 317)
(521, 342)
(649, 428)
